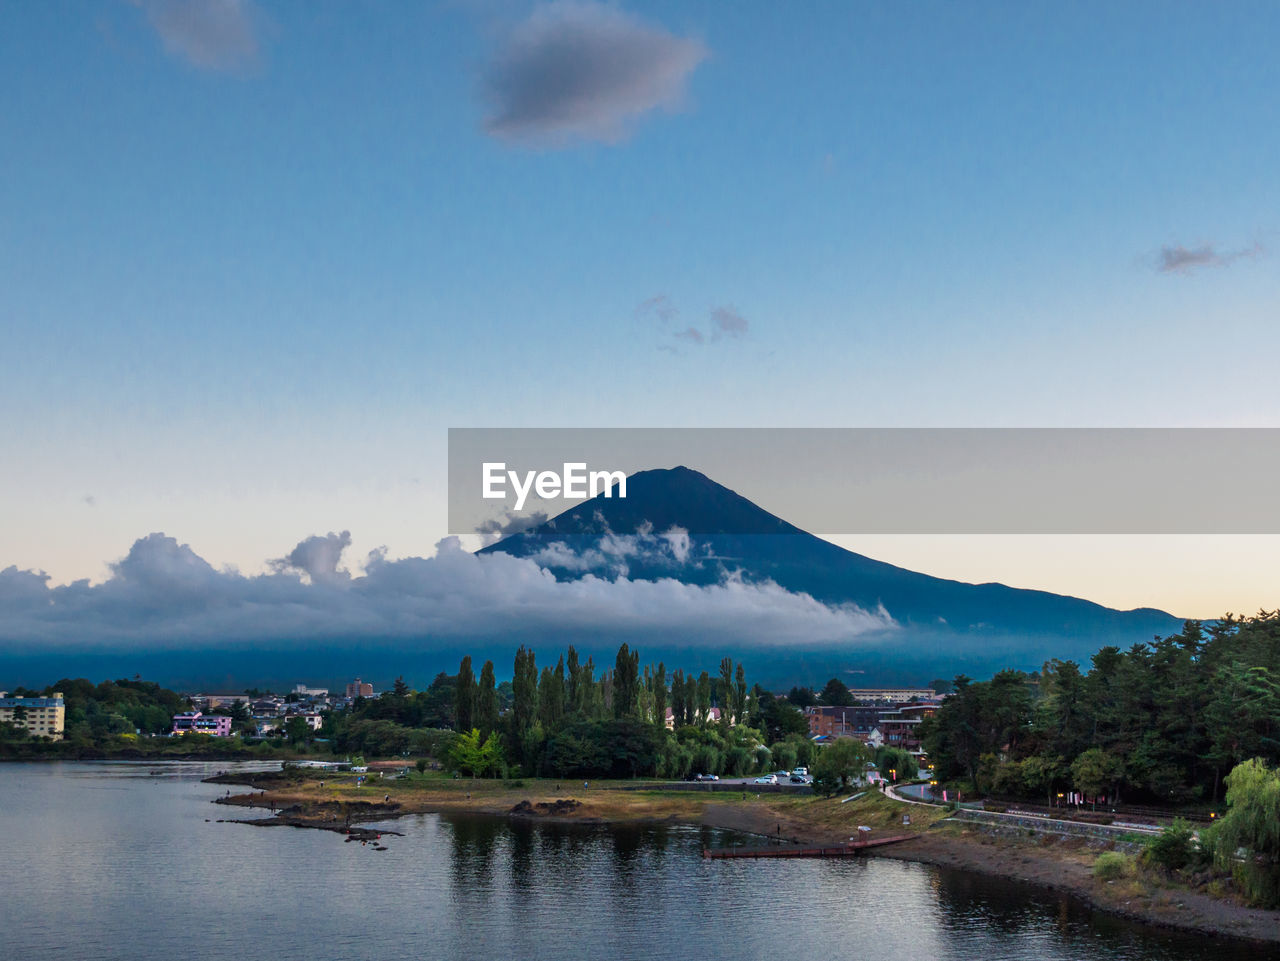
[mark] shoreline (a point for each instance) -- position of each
(1063, 866)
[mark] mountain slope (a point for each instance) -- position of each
(729, 535)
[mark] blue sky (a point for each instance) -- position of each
(256, 258)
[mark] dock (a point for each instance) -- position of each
(850, 849)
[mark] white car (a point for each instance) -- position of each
(767, 779)
(800, 772)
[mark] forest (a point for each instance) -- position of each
(1162, 722)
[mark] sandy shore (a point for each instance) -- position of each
(338, 805)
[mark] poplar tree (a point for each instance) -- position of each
(724, 688)
(702, 691)
(464, 699)
(524, 684)
(740, 695)
(625, 682)
(551, 696)
(660, 695)
(487, 701)
(677, 698)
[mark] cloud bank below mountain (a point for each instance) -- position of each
(163, 595)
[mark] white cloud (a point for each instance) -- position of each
(164, 595)
(209, 34)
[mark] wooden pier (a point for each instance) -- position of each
(779, 851)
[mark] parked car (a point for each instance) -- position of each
(767, 779)
(801, 772)
(782, 775)
(706, 777)
(798, 779)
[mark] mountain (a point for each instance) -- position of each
(953, 625)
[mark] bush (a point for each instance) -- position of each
(1110, 866)
(1172, 850)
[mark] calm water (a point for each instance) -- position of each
(105, 861)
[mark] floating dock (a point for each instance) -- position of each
(851, 849)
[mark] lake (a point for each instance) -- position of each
(107, 860)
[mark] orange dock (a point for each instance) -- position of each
(778, 851)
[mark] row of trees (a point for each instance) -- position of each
(574, 719)
(1161, 722)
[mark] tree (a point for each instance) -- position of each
(779, 718)
(677, 698)
(1095, 772)
(1252, 822)
(802, 697)
(702, 693)
(724, 685)
(487, 701)
(836, 693)
(524, 694)
(660, 695)
(551, 696)
(839, 764)
(400, 688)
(626, 681)
(473, 753)
(740, 695)
(464, 699)
(297, 730)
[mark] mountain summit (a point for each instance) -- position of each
(679, 523)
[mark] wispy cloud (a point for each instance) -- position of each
(494, 529)
(727, 322)
(724, 323)
(1176, 259)
(659, 306)
(584, 71)
(209, 34)
(163, 595)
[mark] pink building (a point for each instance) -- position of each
(193, 722)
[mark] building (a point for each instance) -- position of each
(857, 720)
(193, 722)
(208, 702)
(303, 691)
(41, 716)
(266, 706)
(900, 728)
(314, 721)
(358, 688)
(891, 695)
